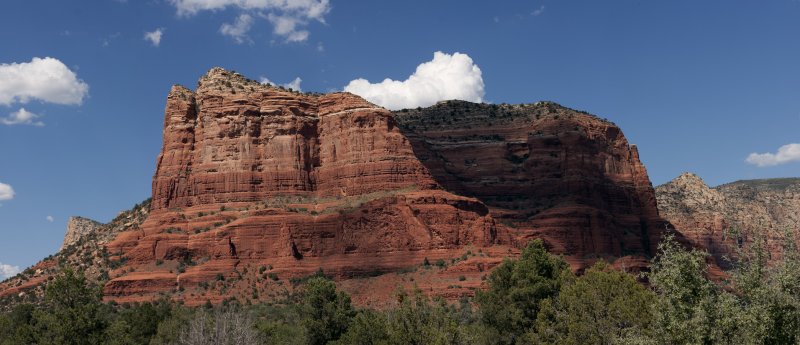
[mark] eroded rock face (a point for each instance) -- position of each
(256, 175)
(256, 185)
(77, 228)
(726, 217)
(544, 171)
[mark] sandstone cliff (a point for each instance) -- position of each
(545, 171)
(726, 217)
(252, 176)
(258, 186)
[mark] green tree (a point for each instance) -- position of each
(689, 308)
(281, 322)
(367, 328)
(602, 306)
(72, 312)
(169, 330)
(516, 290)
(17, 327)
(417, 321)
(119, 332)
(144, 319)
(769, 292)
(327, 312)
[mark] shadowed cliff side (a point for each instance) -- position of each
(545, 171)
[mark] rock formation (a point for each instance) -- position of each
(544, 171)
(77, 228)
(726, 217)
(257, 186)
(83, 250)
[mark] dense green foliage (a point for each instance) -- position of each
(517, 289)
(603, 306)
(535, 299)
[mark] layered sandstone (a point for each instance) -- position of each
(256, 186)
(256, 176)
(545, 171)
(728, 217)
(252, 175)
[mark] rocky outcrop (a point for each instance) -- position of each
(258, 186)
(727, 217)
(77, 228)
(86, 253)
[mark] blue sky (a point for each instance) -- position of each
(697, 85)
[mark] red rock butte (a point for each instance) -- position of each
(255, 181)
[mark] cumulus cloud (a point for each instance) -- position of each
(538, 11)
(288, 17)
(8, 271)
(786, 154)
(287, 26)
(294, 84)
(445, 77)
(45, 79)
(239, 29)
(49, 219)
(154, 36)
(6, 192)
(21, 117)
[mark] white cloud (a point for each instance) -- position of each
(286, 26)
(238, 30)
(538, 11)
(786, 154)
(46, 79)
(6, 192)
(445, 77)
(294, 84)
(8, 271)
(288, 17)
(314, 9)
(49, 219)
(21, 117)
(154, 36)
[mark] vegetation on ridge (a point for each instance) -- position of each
(535, 299)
